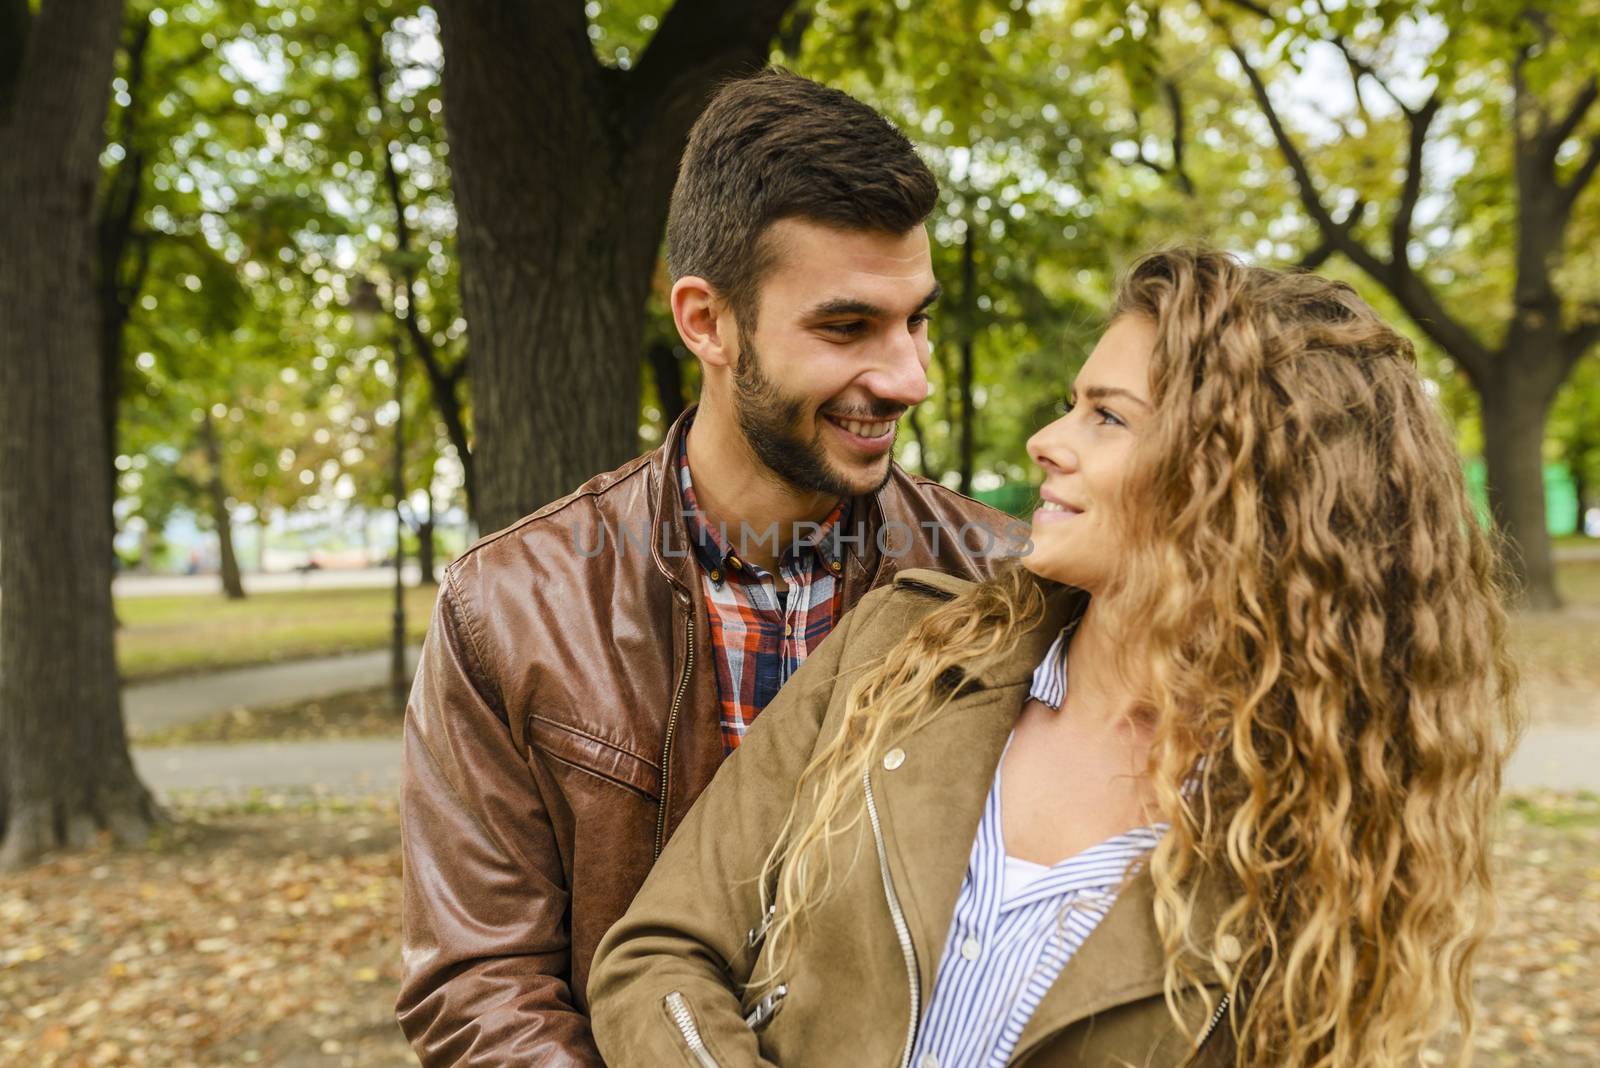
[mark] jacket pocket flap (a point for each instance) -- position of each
(587, 752)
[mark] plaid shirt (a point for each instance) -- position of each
(756, 643)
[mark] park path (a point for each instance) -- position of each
(343, 767)
(261, 582)
(1550, 757)
(151, 706)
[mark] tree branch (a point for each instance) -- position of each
(1175, 105)
(1254, 9)
(1586, 171)
(1569, 124)
(1412, 293)
(1336, 234)
(699, 43)
(443, 383)
(1411, 191)
(1324, 251)
(1360, 68)
(141, 269)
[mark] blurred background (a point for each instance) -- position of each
(298, 299)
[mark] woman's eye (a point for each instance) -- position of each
(1065, 407)
(1110, 417)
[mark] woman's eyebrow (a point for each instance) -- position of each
(1095, 393)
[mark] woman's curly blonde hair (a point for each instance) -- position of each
(1319, 617)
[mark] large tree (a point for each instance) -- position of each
(65, 772)
(562, 167)
(1513, 86)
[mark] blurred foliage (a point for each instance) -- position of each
(1069, 135)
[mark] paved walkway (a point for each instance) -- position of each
(1555, 758)
(150, 706)
(262, 581)
(360, 767)
(1555, 755)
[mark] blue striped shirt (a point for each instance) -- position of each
(1005, 949)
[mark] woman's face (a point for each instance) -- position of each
(1086, 456)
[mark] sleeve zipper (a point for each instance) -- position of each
(678, 1006)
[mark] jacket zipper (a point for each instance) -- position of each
(901, 929)
(678, 1006)
(1216, 1018)
(672, 729)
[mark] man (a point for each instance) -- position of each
(589, 667)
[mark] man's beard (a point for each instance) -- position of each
(768, 417)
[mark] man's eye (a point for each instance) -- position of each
(850, 329)
(919, 319)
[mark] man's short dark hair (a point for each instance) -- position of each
(777, 146)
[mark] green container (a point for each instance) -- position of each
(1560, 496)
(1014, 498)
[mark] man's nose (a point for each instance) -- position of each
(902, 372)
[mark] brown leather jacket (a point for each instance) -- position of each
(562, 721)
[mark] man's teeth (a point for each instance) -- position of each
(866, 430)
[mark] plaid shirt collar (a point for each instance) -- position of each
(715, 553)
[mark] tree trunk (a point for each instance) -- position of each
(427, 568)
(217, 494)
(443, 383)
(399, 681)
(65, 772)
(1513, 418)
(116, 284)
(561, 169)
(914, 418)
(668, 373)
(969, 299)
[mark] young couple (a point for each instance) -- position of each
(1202, 773)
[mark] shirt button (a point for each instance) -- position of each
(928, 1061)
(835, 566)
(1228, 948)
(894, 758)
(970, 949)
(788, 630)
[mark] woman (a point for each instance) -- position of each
(1208, 779)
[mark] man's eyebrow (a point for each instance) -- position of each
(838, 306)
(1095, 393)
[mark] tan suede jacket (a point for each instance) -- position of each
(668, 986)
(563, 719)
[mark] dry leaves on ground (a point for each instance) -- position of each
(271, 938)
(241, 938)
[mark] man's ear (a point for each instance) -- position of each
(703, 321)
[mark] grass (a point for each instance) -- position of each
(1579, 810)
(162, 636)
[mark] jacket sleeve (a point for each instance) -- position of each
(685, 932)
(485, 942)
